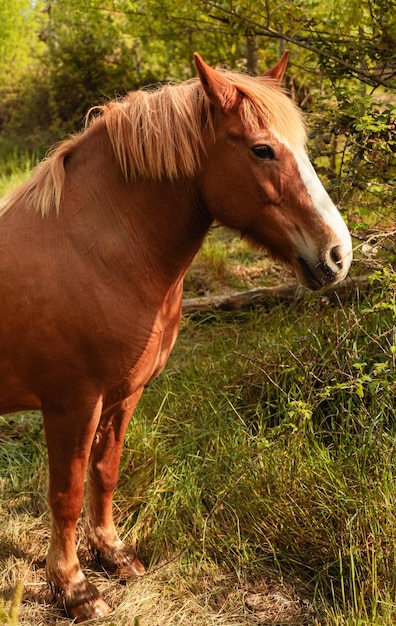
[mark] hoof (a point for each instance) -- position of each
(135, 567)
(88, 610)
(120, 562)
(81, 601)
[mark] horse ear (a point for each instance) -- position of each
(220, 91)
(279, 68)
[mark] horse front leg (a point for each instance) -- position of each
(112, 553)
(69, 434)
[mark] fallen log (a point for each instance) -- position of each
(267, 295)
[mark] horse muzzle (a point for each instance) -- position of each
(329, 269)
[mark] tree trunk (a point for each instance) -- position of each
(252, 53)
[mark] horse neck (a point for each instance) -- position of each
(166, 222)
(162, 221)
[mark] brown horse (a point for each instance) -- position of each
(94, 248)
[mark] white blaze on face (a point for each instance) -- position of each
(326, 209)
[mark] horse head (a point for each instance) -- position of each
(257, 178)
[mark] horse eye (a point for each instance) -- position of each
(263, 152)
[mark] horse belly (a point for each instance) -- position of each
(15, 397)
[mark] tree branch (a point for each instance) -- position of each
(267, 31)
(264, 296)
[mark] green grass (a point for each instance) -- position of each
(265, 449)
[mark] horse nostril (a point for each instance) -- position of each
(336, 257)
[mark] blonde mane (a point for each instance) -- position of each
(158, 133)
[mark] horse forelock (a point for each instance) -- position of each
(159, 134)
(266, 105)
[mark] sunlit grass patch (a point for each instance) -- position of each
(228, 263)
